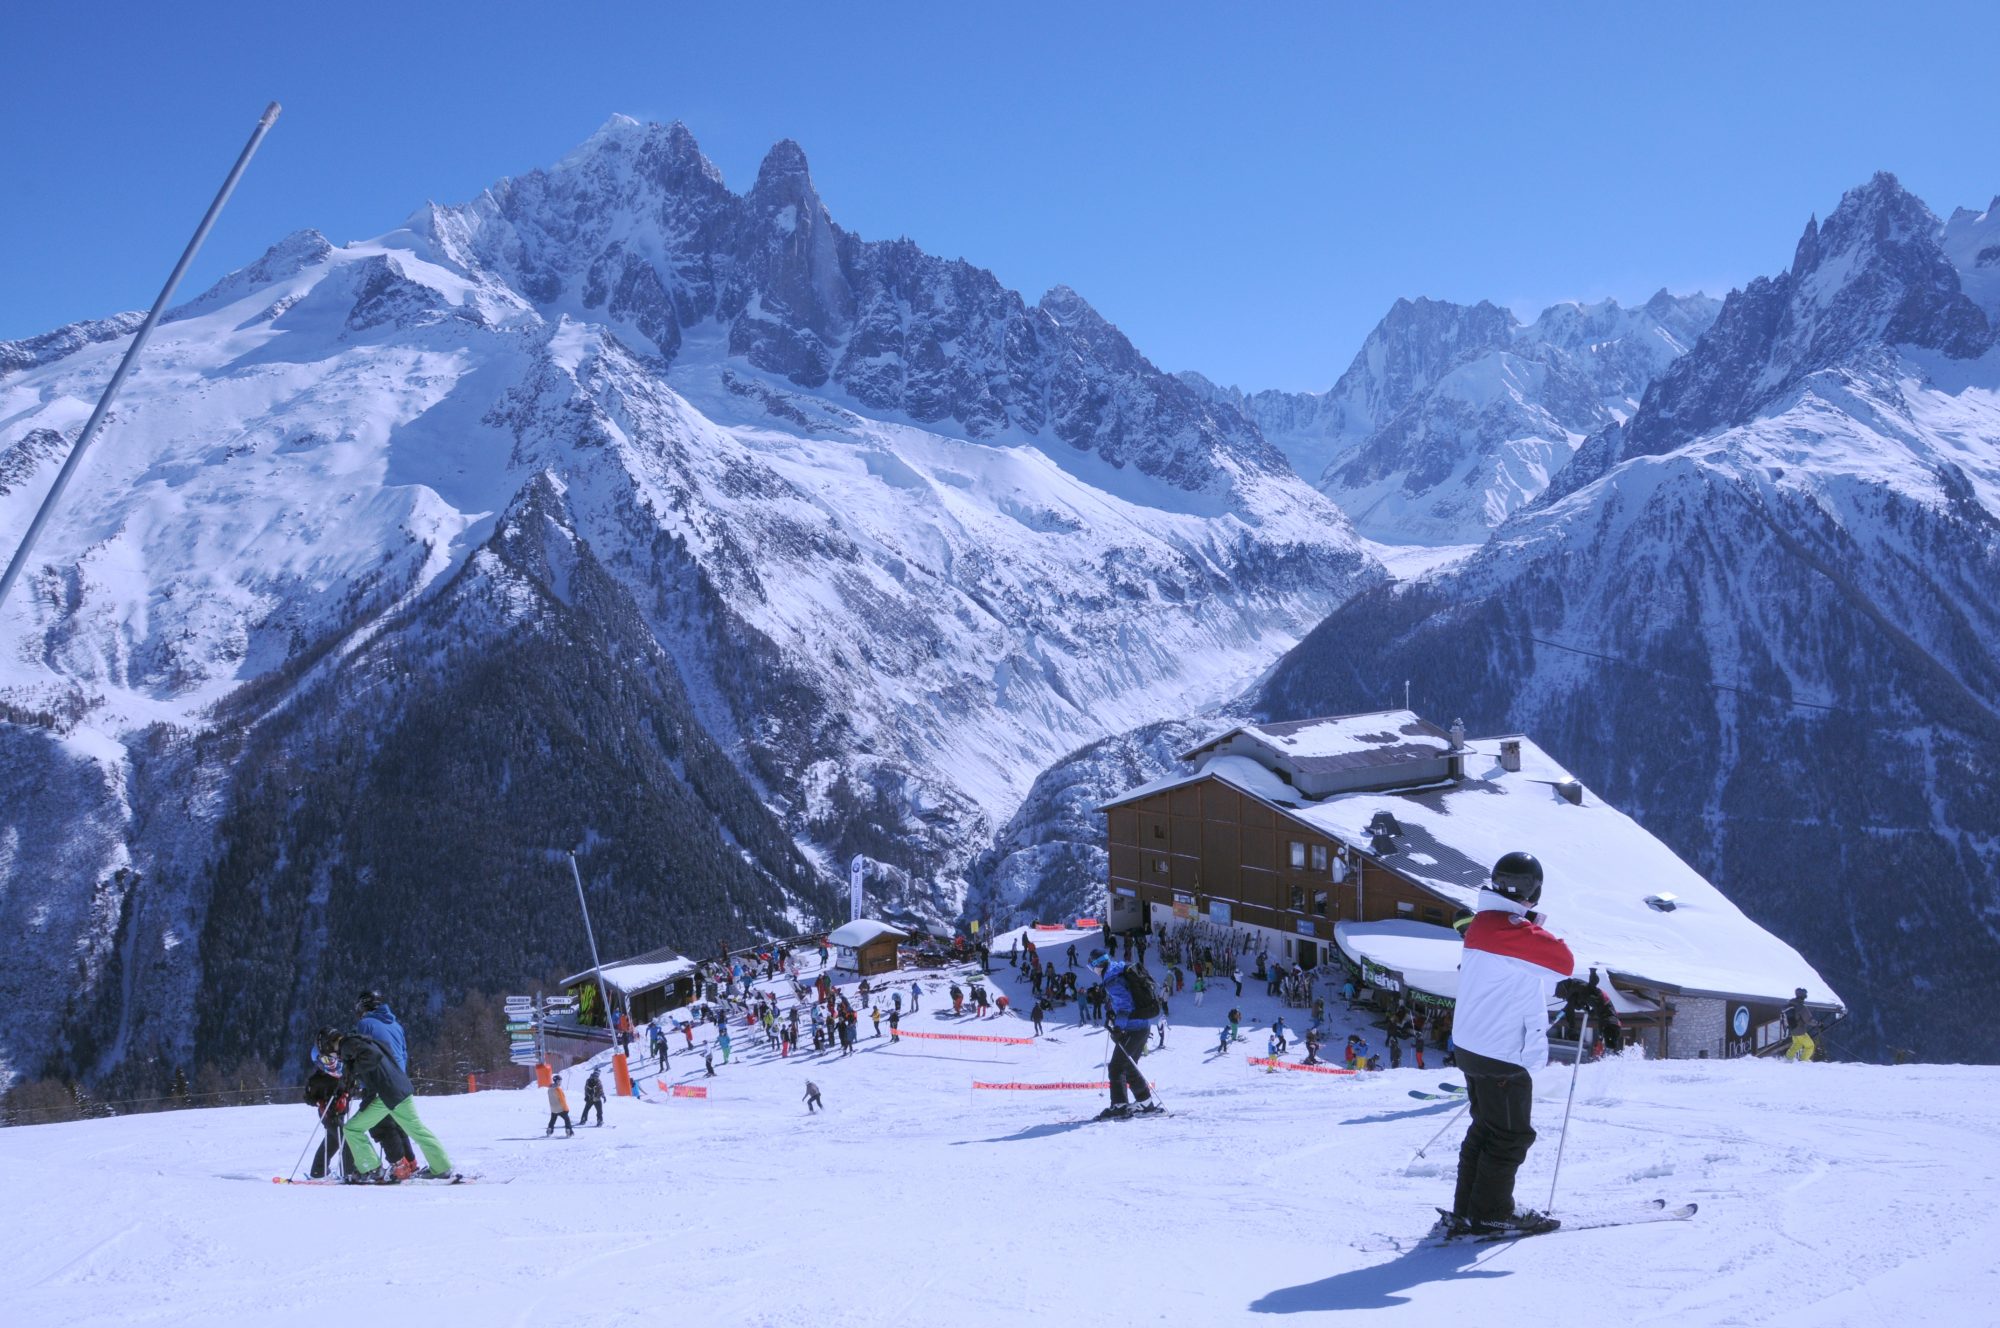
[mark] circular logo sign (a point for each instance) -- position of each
(1740, 1021)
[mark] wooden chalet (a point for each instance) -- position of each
(1290, 829)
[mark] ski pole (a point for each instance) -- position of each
(319, 1133)
(1447, 1125)
(1562, 1136)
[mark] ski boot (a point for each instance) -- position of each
(1116, 1111)
(379, 1176)
(405, 1169)
(1149, 1108)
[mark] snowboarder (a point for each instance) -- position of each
(957, 999)
(1133, 1005)
(1509, 968)
(558, 1109)
(593, 1098)
(1801, 1025)
(324, 1095)
(811, 1099)
(368, 1067)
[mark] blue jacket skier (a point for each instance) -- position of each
(1130, 1028)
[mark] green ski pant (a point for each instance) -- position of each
(405, 1113)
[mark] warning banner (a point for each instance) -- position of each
(1046, 1088)
(970, 1037)
(1272, 1063)
(682, 1090)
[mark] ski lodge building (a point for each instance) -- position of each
(644, 985)
(1360, 837)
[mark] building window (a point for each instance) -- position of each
(1319, 902)
(1298, 853)
(1159, 866)
(1159, 830)
(1433, 915)
(1405, 906)
(1298, 898)
(1319, 857)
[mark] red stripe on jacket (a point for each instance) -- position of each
(1517, 938)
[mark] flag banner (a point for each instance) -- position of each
(1092, 1086)
(970, 1037)
(1272, 1063)
(682, 1090)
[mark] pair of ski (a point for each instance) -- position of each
(1652, 1210)
(456, 1178)
(1452, 1092)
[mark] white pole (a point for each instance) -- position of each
(19, 562)
(1583, 1038)
(604, 1000)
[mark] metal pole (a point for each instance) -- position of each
(19, 562)
(1440, 1134)
(604, 1000)
(1582, 1040)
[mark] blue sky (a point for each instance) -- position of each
(1243, 188)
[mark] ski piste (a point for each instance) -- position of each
(1653, 1210)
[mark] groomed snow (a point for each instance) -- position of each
(1830, 1195)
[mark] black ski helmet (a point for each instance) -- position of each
(1519, 877)
(366, 1001)
(328, 1040)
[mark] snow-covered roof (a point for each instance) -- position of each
(1601, 865)
(861, 931)
(1344, 742)
(1051, 939)
(639, 973)
(1425, 954)
(1242, 771)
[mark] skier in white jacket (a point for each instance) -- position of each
(1500, 1029)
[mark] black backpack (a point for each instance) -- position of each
(1145, 996)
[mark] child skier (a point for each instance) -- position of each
(593, 1098)
(558, 1109)
(323, 1094)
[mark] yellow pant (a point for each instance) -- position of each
(1801, 1048)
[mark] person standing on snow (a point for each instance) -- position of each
(1500, 1030)
(1129, 1028)
(593, 1098)
(1799, 1023)
(325, 1095)
(374, 1019)
(368, 1068)
(558, 1109)
(811, 1099)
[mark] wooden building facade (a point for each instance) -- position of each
(1208, 849)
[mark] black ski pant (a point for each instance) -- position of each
(562, 1116)
(331, 1147)
(1501, 1095)
(1127, 1046)
(589, 1107)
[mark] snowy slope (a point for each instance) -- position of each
(1452, 416)
(880, 533)
(1830, 1195)
(1758, 617)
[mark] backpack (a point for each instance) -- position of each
(1145, 995)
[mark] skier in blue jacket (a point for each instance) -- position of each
(1129, 1031)
(374, 1019)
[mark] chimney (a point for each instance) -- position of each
(1510, 754)
(1458, 735)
